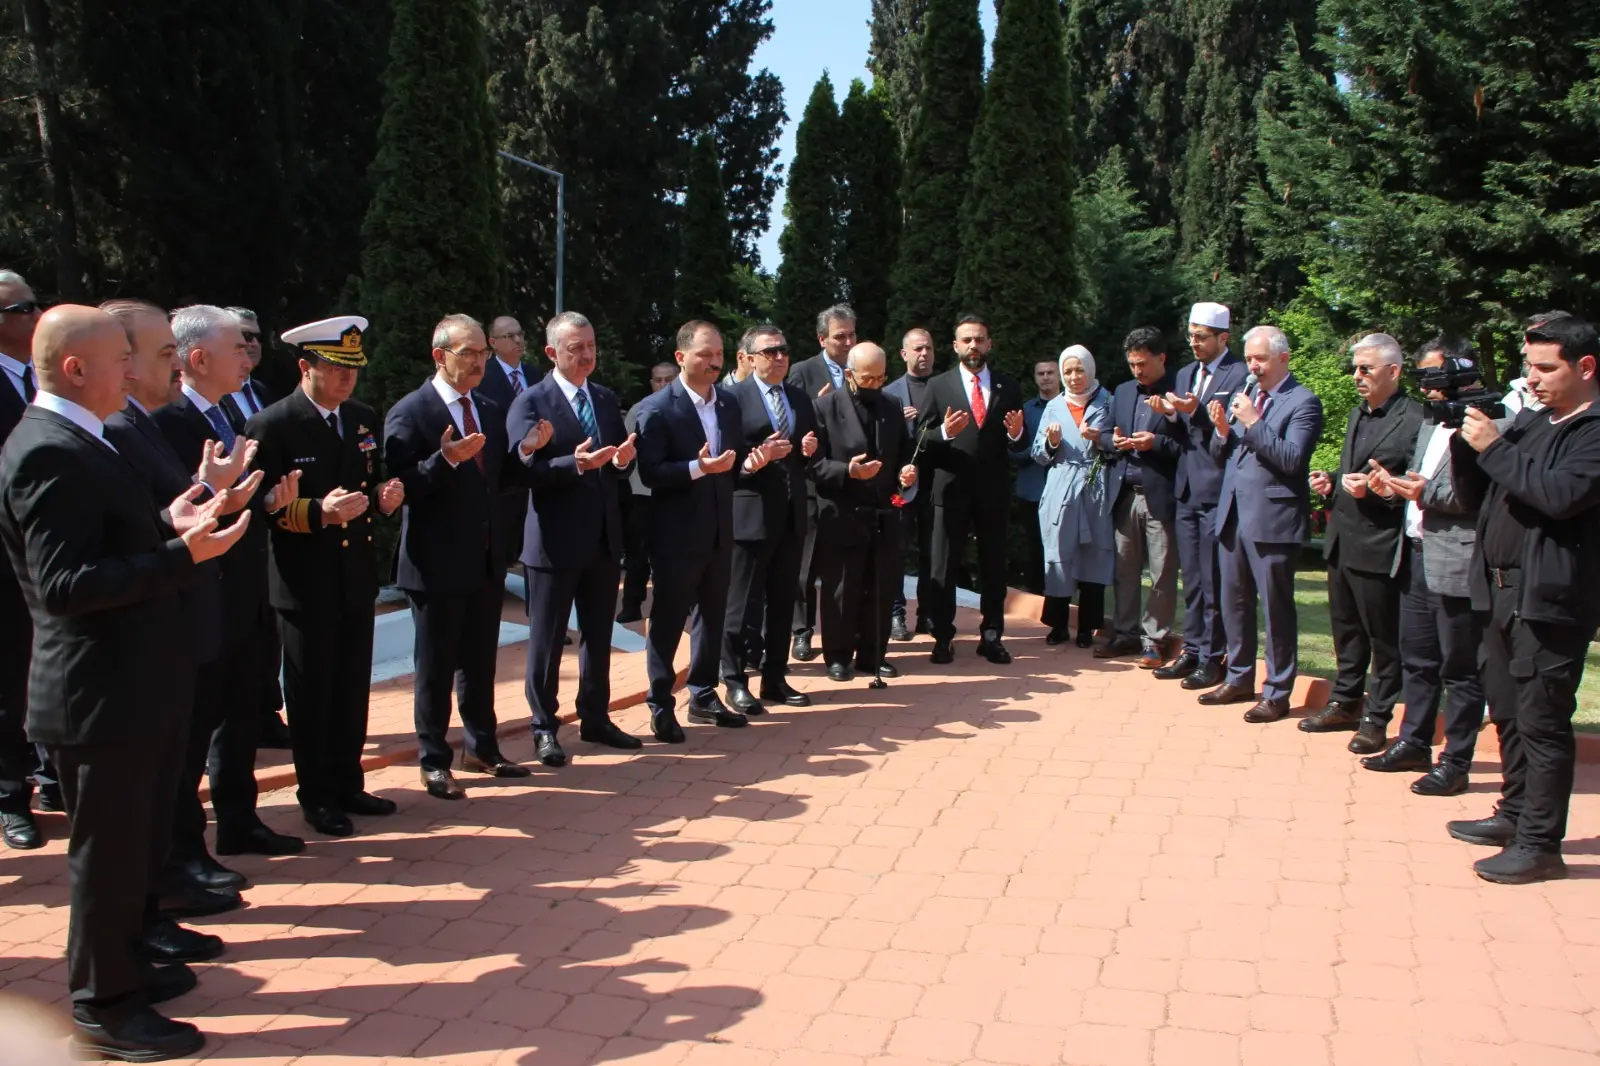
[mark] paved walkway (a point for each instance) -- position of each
(1059, 862)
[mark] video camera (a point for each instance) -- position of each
(1461, 383)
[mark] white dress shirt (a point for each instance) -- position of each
(452, 403)
(706, 410)
(246, 398)
(983, 380)
(514, 374)
(201, 404)
(14, 369)
(570, 391)
(325, 412)
(1432, 459)
(79, 416)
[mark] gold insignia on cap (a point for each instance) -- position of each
(344, 352)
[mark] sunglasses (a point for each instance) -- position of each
(250, 335)
(23, 307)
(1364, 371)
(773, 352)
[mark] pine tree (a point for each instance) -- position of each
(808, 277)
(431, 242)
(870, 226)
(938, 165)
(705, 245)
(1016, 262)
(893, 59)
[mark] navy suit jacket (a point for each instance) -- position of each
(1267, 468)
(1158, 467)
(570, 515)
(774, 497)
(1199, 478)
(451, 538)
(497, 386)
(690, 517)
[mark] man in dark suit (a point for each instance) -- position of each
(100, 571)
(637, 513)
(862, 462)
(1265, 437)
(1145, 511)
(769, 524)
(573, 542)
(252, 397)
(817, 376)
(916, 517)
(324, 579)
(973, 418)
(1365, 548)
(505, 375)
(448, 448)
(1216, 374)
(690, 442)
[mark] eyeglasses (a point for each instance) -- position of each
(773, 352)
(23, 307)
(250, 336)
(469, 353)
(868, 381)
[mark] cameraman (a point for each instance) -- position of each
(1535, 572)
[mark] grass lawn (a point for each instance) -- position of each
(1316, 646)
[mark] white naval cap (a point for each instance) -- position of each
(334, 340)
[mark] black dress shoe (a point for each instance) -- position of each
(192, 901)
(739, 699)
(162, 983)
(548, 750)
(1332, 718)
(1266, 711)
(50, 800)
(897, 628)
(167, 941)
(209, 873)
(802, 650)
(1227, 694)
(942, 653)
(1495, 831)
(274, 734)
(496, 767)
(629, 613)
(664, 725)
(1522, 864)
(608, 735)
(710, 711)
(1085, 640)
(20, 831)
(778, 690)
(1400, 757)
(365, 803)
(1117, 647)
(924, 627)
(888, 669)
(1204, 676)
(840, 672)
(1058, 635)
(1445, 779)
(441, 784)
(143, 1036)
(329, 821)
(989, 647)
(1370, 737)
(1177, 669)
(258, 840)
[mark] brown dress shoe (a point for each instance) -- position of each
(1332, 718)
(1267, 710)
(497, 768)
(1370, 737)
(1116, 647)
(441, 785)
(1227, 694)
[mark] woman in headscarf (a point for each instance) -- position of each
(1075, 510)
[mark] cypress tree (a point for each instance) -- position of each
(808, 277)
(706, 287)
(893, 60)
(431, 242)
(938, 169)
(871, 219)
(1016, 262)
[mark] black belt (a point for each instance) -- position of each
(1504, 578)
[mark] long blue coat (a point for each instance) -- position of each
(1074, 515)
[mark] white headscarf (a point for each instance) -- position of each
(1081, 354)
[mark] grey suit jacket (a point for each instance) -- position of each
(1449, 526)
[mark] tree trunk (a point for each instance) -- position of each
(47, 105)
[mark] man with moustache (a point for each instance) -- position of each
(689, 445)
(769, 525)
(817, 376)
(1030, 475)
(637, 513)
(505, 375)
(972, 420)
(100, 571)
(572, 546)
(916, 517)
(449, 448)
(324, 579)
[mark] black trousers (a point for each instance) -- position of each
(1439, 641)
(1025, 514)
(1364, 615)
(1091, 609)
(1203, 631)
(552, 594)
(327, 674)
(805, 604)
(763, 583)
(952, 525)
(636, 560)
(1531, 672)
(916, 528)
(857, 587)
(17, 757)
(229, 694)
(457, 642)
(690, 590)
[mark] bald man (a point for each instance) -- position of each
(100, 571)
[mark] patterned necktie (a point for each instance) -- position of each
(1262, 399)
(219, 422)
(780, 417)
(249, 391)
(516, 382)
(30, 388)
(580, 401)
(979, 409)
(469, 426)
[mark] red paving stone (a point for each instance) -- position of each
(1062, 862)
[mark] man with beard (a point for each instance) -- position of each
(973, 419)
(916, 517)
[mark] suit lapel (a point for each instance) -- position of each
(680, 397)
(562, 416)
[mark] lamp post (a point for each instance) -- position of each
(561, 222)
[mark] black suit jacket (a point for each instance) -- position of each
(570, 515)
(773, 498)
(847, 507)
(11, 407)
(100, 574)
(451, 536)
(976, 465)
(690, 517)
(237, 416)
(1158, 467)
(1365, 534)
(497, 386)
(313, 564)
(809, 376)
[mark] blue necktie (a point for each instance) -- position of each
(580, 401)
(220, 424)
(780, 417)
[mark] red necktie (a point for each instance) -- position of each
(1261, 401)
(978, 408)
(470, 424)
